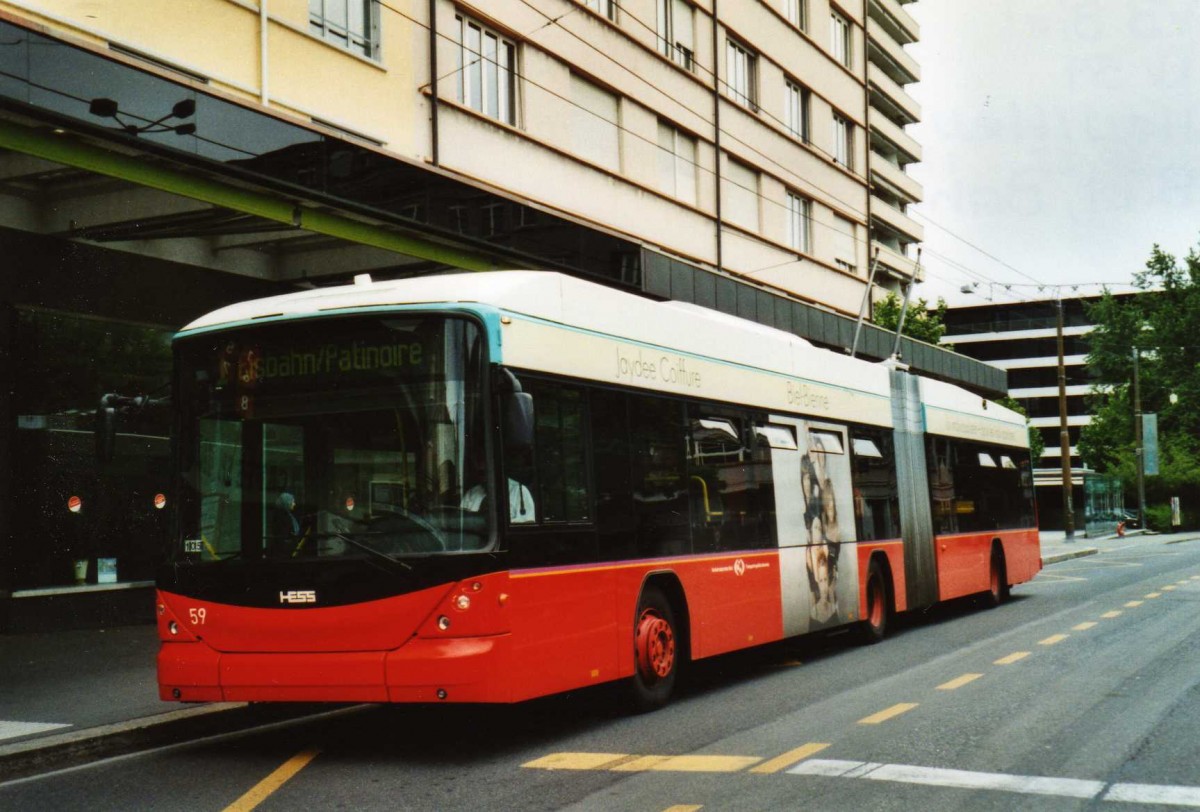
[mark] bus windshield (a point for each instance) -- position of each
(345, 437)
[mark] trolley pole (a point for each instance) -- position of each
(1064, 436)
(862, 310)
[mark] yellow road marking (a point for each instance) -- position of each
(263, 789)
(1112, 614)
(1134, 604)
(1083, 627)
(575, 761)
(789, 758)
(638, 764)
(1012, 658)
(888, 713)
(1182, 583)
(958, 682)
(1154, 595)
(705, 764)
(1052, 639)
(1168, 588)
(1195, 577)
(684, 808)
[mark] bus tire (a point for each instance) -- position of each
(997, 578)
(875, 623)
(656, 651)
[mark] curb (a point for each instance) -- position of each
(1067, 556)
(58, 751)
(1183, 541)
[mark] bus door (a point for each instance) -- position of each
(815, 512)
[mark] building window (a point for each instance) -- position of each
(593, 123)
(799, 219)
(352, 24)
(487, 64)
(839, 42)
(740, 195)
(605, 8)
(843, 141)
(740, 72)
(795, 101)
(845, 249)
(676, 32)
(676, 163)
(796, 12)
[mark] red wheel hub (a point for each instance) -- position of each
(654, 645)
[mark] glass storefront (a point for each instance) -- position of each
(74, 499)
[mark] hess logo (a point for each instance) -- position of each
(298, 596)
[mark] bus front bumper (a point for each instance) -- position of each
(464, 669)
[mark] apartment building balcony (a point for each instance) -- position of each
(896, 220)
(896, 264)
(895, 179)
(898, 22)
(890, 98)
(896, 137)
(890, 55)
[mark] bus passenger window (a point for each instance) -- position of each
(876, 491)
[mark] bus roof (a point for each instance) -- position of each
(587, 306)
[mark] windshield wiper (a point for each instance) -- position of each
(353, 542)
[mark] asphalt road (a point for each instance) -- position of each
(1082, 692)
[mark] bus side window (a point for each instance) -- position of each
(614, 489)
(876, 491)
(659, 466)
(561, 470)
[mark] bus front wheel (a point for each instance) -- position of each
(655, 651)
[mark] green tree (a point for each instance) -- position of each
(1159, 328)
(1036, 444)
(922, 322)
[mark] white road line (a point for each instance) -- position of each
(1153, 794)
(1001, 782)
(14, 730)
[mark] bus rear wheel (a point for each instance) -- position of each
(655, 651)
(997, 579)
(875, 623)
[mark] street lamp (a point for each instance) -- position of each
(1064, 436)
(1137, 439)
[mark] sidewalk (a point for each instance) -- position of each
(71, 696)
(1056, 548)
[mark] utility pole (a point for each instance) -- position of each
(1137, 439)
(1064, 436)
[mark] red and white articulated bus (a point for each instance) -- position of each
(493, 487)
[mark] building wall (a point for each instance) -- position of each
(605, 169)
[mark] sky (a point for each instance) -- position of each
(1061, 140)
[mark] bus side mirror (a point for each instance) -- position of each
(518, 421)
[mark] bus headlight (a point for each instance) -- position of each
(173, 627)
(443, 623)
(462, 603)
